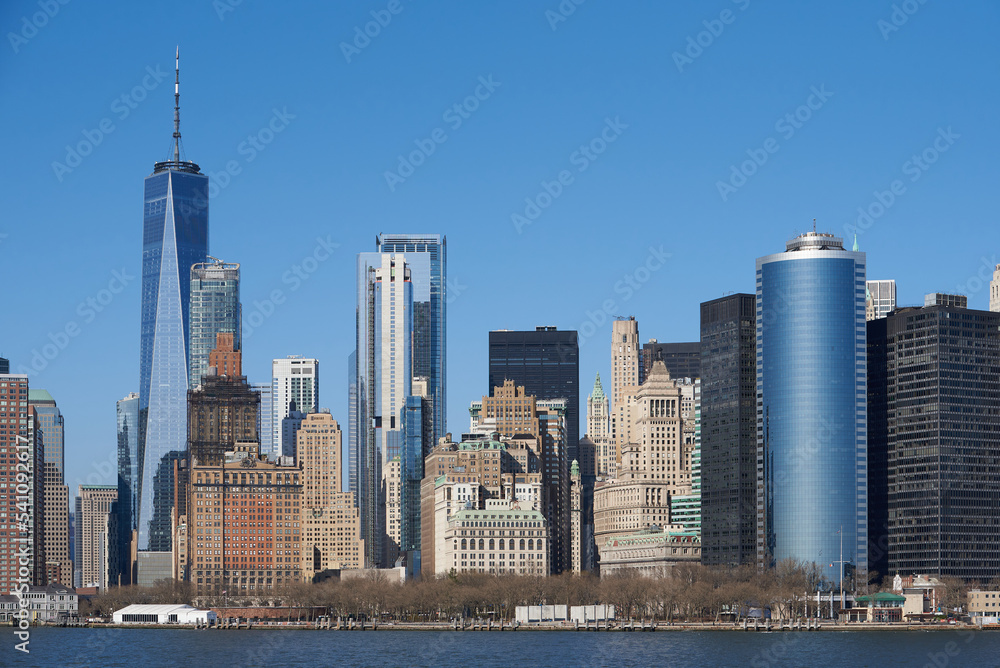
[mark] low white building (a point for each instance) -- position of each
(52, 603)
(171, 613)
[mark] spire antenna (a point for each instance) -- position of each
(814, 220)
(177, 107)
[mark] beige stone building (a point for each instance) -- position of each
(625, 367)
(92, 508)
(498, 539)
(331, 537)
(651, 552)
(995, 291)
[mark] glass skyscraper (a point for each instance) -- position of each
(215, 308)
(174, 238)
(128, 478)
(812, 405)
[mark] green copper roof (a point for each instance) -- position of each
(598, 391)
(574, 468)
(856, 247)
(40, 395)
(882, 597)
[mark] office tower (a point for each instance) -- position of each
(264, 416)
(244, 485)
(880, 299)
(547, 363)
(384, 343)
(215, 308)
(626, 373)
(4, 365)
(417, 420)
(683, 360)
(426, 255)
(294, 378)
(599, 432)
(812, 406)
(934, 372)
(942, 299)
(20, 443)
(127, 411)
(351, 474)
(93, 506)
(685, 509)
(175, 237)
(289, 429)
(331, 531)
(655, 467)
(222, 410)
(59, 566)
(729, 430)
(994, 292)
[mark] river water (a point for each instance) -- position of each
(137, 648)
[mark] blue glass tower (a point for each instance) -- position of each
(175, 237)
(214, 308)
(812, 405)
(127, 410)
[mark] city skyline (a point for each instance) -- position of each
(106, 325)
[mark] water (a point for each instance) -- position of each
(137, 648)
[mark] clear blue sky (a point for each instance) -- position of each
(324, 174)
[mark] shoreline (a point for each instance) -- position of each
(621, 628)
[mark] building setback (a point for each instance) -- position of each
(937, 370)
(729, 430)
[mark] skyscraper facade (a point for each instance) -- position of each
(729, 430)
(880, 299)
(683, 360)
(385, 328)
(264, 416)
(427, 257)
(935, 436)
(546, 362)
(995, 290)
(93, 505)
(626, 374)
(812, 405)
(215, 308)
(293, 379)
(127, 411)
(59, 566)
(175, 237)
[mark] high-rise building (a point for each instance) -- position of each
(21, 446)
(812, 406)
(880, 299)
(59, 566)
(427, 257)
(222, 410)
(215, 308)
(4, 365)
(385, 329)
(729, 430)
(418, 428)
(244, 489)
(127, 411)
(331, 536)
(293, 379)
(175, 237)
(264, 416)
(93, 506)
(683, 360)
(934, 439)
(599, 431)
(995, 291)
(547, 363)
(626, 376)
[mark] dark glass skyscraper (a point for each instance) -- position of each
(215, 308)
(175, 237)
(729, 430)
(547, 363)
(127, 410)
(683, 360)
(812, 405)
(935, 436)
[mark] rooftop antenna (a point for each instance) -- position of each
(177, 107)
(814, 220)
